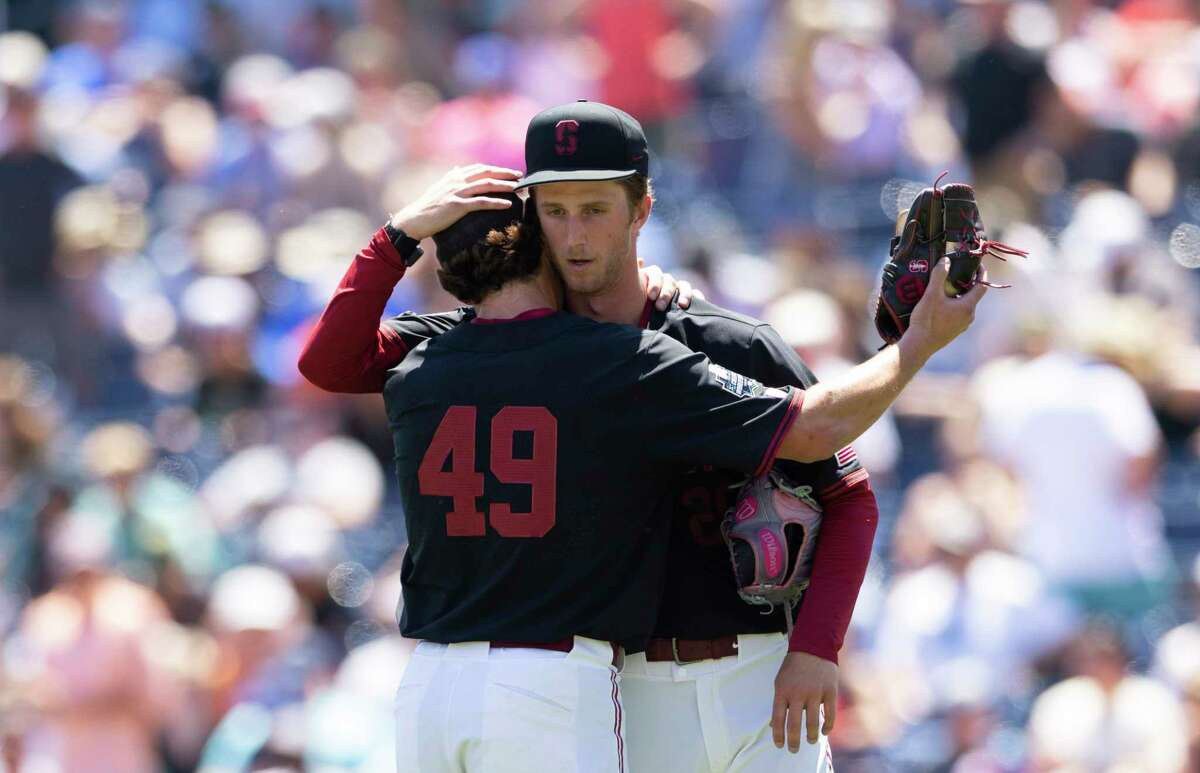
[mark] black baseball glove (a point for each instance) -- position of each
(940, 222)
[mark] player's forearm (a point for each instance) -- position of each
(837, 411)
(839, 566)
(348, 350)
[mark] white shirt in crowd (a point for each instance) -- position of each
(1070, 429)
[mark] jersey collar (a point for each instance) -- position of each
(531, 314)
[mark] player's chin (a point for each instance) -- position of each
(582, 276)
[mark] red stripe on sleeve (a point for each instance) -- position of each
(851, 479)
(789, 418)
(839, 566)
(348, 350)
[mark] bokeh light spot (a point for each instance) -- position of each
(1184, 245)
(350, 584)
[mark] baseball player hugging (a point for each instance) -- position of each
(636, 534)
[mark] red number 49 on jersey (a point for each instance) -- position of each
(455, 440)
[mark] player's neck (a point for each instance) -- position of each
(515, 298)
(622, 303)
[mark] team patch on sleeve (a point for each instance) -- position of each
(735, 383)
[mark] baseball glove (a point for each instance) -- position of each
(771, 532)
(940, 222)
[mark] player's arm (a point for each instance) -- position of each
(703, 409)
(850, 515)
(808, 677)
(836, 412)
(843, 550)
(349, 350)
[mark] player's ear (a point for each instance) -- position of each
(641, 213)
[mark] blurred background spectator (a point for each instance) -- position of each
(199, 552)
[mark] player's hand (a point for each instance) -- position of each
(938, 319)
(461, 190)
(803, 685)
(661, 287)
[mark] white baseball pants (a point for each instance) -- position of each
(712, 716)
(471, 708)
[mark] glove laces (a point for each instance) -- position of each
(977, 247)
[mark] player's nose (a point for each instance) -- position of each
(576, 233)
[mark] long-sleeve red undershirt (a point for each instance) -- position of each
(839, 566)
(350, 351)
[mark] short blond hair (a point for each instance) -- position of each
(636, 189)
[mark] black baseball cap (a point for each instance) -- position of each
(474, 227)
(583, 141)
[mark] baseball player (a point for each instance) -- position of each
(698, 697)
(350, 351)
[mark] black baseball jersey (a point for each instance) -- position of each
(700, 599)
(538, 460)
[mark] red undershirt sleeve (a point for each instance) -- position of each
(839, 566)
(349, 350)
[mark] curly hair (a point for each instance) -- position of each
(483, 268)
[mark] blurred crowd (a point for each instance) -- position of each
(199, 552)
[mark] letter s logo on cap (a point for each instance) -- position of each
(566, 137)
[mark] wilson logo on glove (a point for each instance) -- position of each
(770, 544)
(910, 288)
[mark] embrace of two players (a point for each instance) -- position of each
(569, 447)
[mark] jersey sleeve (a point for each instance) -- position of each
(349, 349)
(774, 362)
(687, 410)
